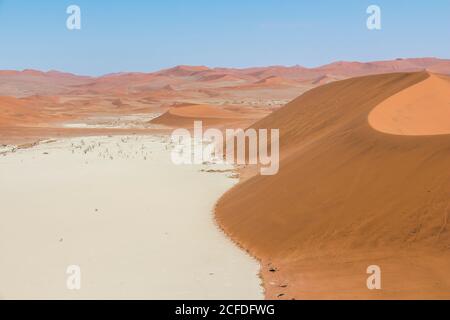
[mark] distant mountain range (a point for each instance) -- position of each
(32, 82)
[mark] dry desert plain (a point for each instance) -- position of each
(363, 180)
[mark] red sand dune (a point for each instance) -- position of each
(325, 79)
(9, 107)
(275, 80)
(221, 77)
(348, 196)
(184, 71)
(377, 67)
(24, 111)
(184, 116)
(32, 82)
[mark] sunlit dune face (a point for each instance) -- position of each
(203, 111)
(422, 109)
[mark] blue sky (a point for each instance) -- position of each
(146, 35)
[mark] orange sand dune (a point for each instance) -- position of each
(274, 80)
(347, 197)
(27, 120)
(8, 107)
(423, 109)
(184, 116)
(221, 77)
(325, 79)
(20, 112)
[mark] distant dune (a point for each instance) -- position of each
(349, 196)
(30, 82)
(327, 78)
(275, 80)
(26, 111)
(185, 115)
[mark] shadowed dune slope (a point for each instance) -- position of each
(346, 197)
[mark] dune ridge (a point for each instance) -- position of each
(347, 196)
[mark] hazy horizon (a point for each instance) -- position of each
(213, 67)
